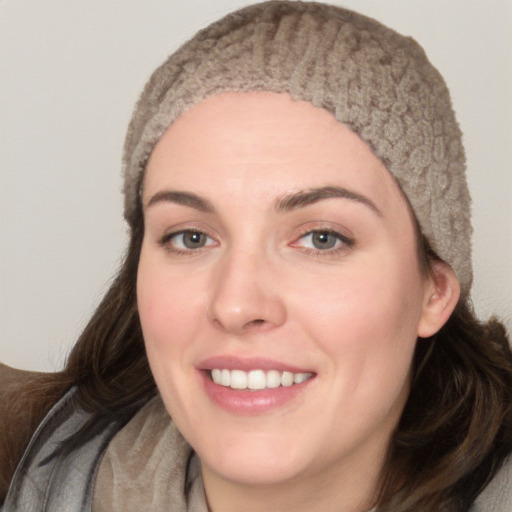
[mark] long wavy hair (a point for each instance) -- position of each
(454, 433)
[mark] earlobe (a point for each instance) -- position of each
(441, 297)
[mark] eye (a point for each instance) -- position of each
(323, 240)
(187, 240)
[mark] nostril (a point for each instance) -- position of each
(255, 323)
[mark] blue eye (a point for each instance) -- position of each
(187, 240)
(324, 240)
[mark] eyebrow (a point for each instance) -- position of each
(304, 198)
(299, 199)
(183, 198)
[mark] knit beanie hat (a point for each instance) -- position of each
(377, 82)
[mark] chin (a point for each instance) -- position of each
(250, 457)
(255, 469)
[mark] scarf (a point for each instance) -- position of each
(148, 465)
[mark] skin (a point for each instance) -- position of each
(258, 286)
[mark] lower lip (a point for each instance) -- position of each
(247, 402)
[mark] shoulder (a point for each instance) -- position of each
(497, 496)
(25, 398)
(63, 453)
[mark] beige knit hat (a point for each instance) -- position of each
(377, 82)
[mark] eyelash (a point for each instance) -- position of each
(166, 241)
(342, 242)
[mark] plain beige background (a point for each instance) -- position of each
(70, 74)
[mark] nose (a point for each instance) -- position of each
(246, 296)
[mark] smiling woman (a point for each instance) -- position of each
(291, 326)
(237, 301)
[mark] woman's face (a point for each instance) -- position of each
(277, 247)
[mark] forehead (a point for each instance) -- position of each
(240, 144)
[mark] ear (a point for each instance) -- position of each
(441, 296)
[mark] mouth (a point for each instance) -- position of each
(256, 380)
(249, 386)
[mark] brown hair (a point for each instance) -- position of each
(456, 427)
(455, 431)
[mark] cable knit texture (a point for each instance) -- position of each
(375, 81)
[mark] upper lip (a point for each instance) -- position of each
(232, 362)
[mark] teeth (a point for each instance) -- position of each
(287, 379)
(238, 379)
(225, 378)
(256, 379)
(300, 377)
(273, 379)
(216, 375)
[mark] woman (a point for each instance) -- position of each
(294, 296)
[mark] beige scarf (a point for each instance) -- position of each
(149, 466)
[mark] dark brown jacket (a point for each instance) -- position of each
(25, 397)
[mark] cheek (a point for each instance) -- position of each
(167, 311)
(373, 300)
(366, 319)
(165, 304)
(168, 315)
